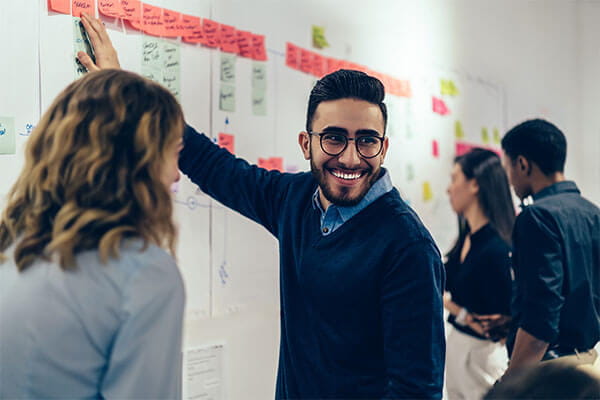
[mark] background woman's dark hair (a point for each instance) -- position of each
(494, 193)
(345, 84)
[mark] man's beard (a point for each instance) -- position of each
(343, 199)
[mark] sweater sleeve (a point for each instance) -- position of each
(254, 192)
(413, 327)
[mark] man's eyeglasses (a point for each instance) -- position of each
(334, 144)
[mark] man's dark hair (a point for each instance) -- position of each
(539, 141)
(344, 84)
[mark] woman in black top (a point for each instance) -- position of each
(478, 273)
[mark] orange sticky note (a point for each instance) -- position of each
(244, 42)
(259, 52)
(133, 12)
(60, 6)
(306, 60)
(172, 23)
(79, 6)
(229, 39)
(111, 8)
(277, 163)
(319, 66)
(152, 20)
(292, 55)
(211, 32)
(273, 163)
(227, 141)
(439, 107)
(192, 31)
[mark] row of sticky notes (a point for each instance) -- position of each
(318, 65)
(158, 21)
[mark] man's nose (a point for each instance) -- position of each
(350, 156)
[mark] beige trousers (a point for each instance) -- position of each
(472, 365)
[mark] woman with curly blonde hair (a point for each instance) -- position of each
(91, 303)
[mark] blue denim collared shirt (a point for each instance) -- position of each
(336, 216)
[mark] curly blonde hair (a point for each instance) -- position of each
(92, 173)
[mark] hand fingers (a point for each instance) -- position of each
(91, 30)
(87, 62)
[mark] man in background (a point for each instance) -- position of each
(556, 258)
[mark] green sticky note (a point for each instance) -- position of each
(171, 67)
(448, 87)
(8, 143)
(318, 37)
(259, 75)
(485, 137)
(259, 101)
(151, 53)
(228, 67)
(410, 172)
(227, 97)
(459, 133)
(496, 136)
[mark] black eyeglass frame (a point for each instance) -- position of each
(321, 134)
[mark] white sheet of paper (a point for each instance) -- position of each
(203, 373)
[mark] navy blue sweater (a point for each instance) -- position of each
(361, 308)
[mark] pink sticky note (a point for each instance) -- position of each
(133, 12)
(306, 60)
(60, 6)
(333, 65)
(192, 31)
(111, 8)
(229, 39)
(259, 52)
(318, 65)
(244, 42)
(172, 21)
(435, 149)
(227, 141)
(79, 6)
(439, 107)
(464, 147)
(292, 55)
(212, 31)
(152, 20)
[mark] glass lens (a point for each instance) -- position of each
(368, 146)
(333, 143)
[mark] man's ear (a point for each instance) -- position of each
(304, 142)
(524, 165)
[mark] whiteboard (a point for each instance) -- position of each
(230, 264)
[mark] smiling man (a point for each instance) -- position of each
(361, 278)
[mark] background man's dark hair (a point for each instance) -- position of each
(538, 141)
(344, 84)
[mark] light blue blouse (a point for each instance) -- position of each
(101, 330)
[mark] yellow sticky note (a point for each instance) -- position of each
(427, 193)
(448, 87)
(485, 137)
(318, 37)
(496, 136)
(458, 130)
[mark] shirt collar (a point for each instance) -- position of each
(559, 187)
(379, 188)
